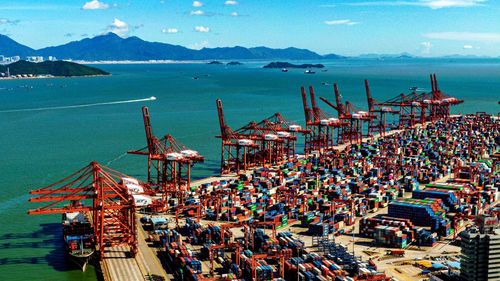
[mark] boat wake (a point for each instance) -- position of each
(77, 105)
(117, 158)
(13, 203)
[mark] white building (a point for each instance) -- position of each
(7, 60)
(35, 59)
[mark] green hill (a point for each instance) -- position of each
(54, 68)
(280, 64)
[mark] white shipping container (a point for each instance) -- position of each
(130, 180)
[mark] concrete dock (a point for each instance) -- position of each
(118, 265)
(148, 259)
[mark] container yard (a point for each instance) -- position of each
(367, 199)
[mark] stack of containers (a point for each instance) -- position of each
(235, 269)
(315, 267)
(192, 263)
(307, 218)
(368, 226)
(449, 197)
(263, 271)
(168, 236)
(288, 242)
(426, 212)
(284, 221)
(211, 234)
(262, 241)
(390, 236)
(425, 238)
(319, 229)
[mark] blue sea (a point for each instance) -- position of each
(39, 147)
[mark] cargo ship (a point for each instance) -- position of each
(78, 238)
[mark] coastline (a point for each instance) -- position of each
(141, 62)
(51, 77)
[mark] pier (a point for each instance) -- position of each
(119, 265)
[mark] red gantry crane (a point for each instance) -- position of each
(239, 151)
(275, 256)
(422, 107)
(352, 132)
(284, 129)
(271, 147)
(410, 108)
(319, 124)
(440, 102)
(110, 206)
(378, 122)
(276, 136)
(169, 161)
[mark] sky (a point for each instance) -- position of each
(346, 27)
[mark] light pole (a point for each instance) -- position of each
(298, 255)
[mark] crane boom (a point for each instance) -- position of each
(304, 103)
(222, 122)
(340, 106)
(371, 105)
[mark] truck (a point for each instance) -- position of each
(396, 252)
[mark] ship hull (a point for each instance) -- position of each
(81, 261)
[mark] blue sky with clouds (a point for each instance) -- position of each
(348, 27)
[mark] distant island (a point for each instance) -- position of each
(25, 69)
(216, 62)
(279, 64)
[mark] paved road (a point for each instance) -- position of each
(120, 266)
(147, 256)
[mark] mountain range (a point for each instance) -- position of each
(111, 47)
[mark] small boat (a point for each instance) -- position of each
(78, 238)
(309, 71)
(284, 70)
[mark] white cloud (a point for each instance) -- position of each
(425, 47)
(197, 13)
(464, 36)
(170, 30)
(197, 4)
(433, 4)
(119, 27)
(202, 28)
(8, 21)
(200, 45)
(231, 2)
(95, 5)
(234, 14)
(468, 47)
(341, 22)
(438, 4)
